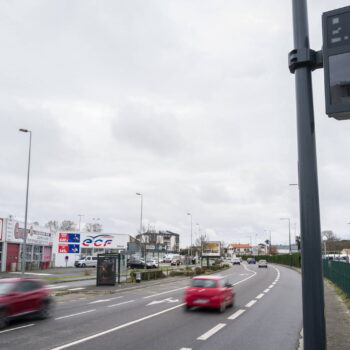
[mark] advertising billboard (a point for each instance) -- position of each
(211, 249)
(68, 242)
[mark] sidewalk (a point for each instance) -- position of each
(337, 320)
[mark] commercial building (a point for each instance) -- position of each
(38, 247)
(70, 246)
(165, 241)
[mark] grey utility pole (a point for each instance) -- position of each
(191, 237)
(24, 247)
(141, 195)
(302, 61)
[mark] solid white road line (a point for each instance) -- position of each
(169, 291)
(245, 279)
(13, 329)
(55, 287)
(83, 340)
(236, 314)
(77, 314)
(266, 290)
(124, 302)
(186, 349)
(78, 288)
(34, 273)
(212, 331)
(104, 300)
(251, 303)
(260, 296)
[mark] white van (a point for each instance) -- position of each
(87, 261)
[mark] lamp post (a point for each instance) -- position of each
(290, 247)
(191, 236)
(80, 216)
(24, 250)
(141, 195)
(325, 246)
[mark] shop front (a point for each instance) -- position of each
(38, 246)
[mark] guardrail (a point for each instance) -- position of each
(339, 273)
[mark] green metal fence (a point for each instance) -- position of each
(339, 273)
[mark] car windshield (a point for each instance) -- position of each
(203, 283)
(5, 287)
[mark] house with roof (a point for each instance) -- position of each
(239, 249)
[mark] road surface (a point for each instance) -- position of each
(267, 315)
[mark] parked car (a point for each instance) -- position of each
(151, 264)
(251, 261)
(262, 263)
(236, 261)
(87, 261)
(136, 264)
(20, 297)
(210, 292)
(175, 262)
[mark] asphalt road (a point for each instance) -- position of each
(267, 315)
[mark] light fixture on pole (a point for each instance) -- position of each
(24, 250)
(191, 235)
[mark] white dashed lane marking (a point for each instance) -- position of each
(251, 303)
(212, 331)
(236, 314)
(14, 329)
(77, 314)
(260, 296)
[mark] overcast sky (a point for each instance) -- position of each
(189, 102)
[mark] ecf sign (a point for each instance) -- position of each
(97, 241)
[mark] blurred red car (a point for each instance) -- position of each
(21, 297)
(209, 291)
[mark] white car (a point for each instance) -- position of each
(262, 263)
(87, 261)
(236, 261)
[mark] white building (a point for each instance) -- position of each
(74, 245)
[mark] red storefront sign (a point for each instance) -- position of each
(63, 248)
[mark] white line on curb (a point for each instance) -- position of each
(83, 340)
(236, 314)
(78, 288)
(77, 314)
(212, 331)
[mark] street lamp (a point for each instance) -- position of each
(24, 251)
(80, 216)
(141, 195)
(290, 247)
(191, 236)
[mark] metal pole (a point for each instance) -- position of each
(24, 251)
(80, 215)
(312, 281)
(290, 246)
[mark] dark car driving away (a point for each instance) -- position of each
(20, 297)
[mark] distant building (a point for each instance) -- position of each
(166, 241)
(240, 249)
(284, 249)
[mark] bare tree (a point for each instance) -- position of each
(52, 225)
(67, 225)
(201, 239)
(95, 227)
(330, 235)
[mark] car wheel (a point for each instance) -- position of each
(187, 308)
(232, 303)
(222, 307)
(3, 319)
(45, 310)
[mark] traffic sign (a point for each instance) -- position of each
(336, 60)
